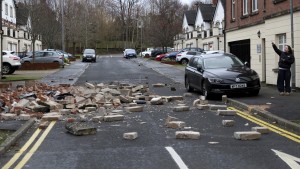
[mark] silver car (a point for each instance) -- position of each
(45, 57)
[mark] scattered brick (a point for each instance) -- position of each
(228, 123)
(187, 135)
(130, 136)
(226, 112)
(262, 130)
(247, 135)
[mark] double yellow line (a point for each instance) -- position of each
(26, 146)
(271, 127)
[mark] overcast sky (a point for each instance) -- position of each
(186, 1)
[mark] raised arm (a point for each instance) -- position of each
(276, 49)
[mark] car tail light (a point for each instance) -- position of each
(14, 57)
(61, 57)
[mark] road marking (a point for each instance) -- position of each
(35, 147)
(289, 159)
(176, 158)
(23, 149)
(271, 127)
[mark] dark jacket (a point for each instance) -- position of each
(285, 59)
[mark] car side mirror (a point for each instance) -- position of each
(246, 64)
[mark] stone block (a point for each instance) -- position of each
(90, 85)
(176, 124)
(52, 105)
(228, 123)
(118, 111)
(202, 106)
(226, 112)
(125, 92)
(125, 99)
(173, 98)
(90, 109)
(24, 117)
(217, 107)
(130, 136)
(262, 130)
(181, 108)
(157, 101)
(187, 135)
(224, 98)
(22, 103)
(81, 128)
(65, 111)
(134, 109)
(44, 124)
(169, 119)
(111, 118)
(247, 135)
(158, 85)
(137, 88)
(196, 102)
(40, 108)
(97, 119)
(52, 117)
(8, 116)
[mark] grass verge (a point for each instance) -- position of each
(4, 134)
(9, 78)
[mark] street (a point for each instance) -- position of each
(156, 145)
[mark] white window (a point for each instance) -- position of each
(233, 9)
(11, 11)
(281, 41)
(254, 6)
(6, 9)
(245, 7)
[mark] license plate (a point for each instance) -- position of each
(235, 86)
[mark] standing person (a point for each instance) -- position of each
(286, 59)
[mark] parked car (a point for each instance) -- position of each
(160, 57)
(184, 57)
(146, 52)
(11, 62)
(220, 73)
(158, 51)
(191, 49)
(89, 55)
(171, 55)
(130, 53)
(45, 57)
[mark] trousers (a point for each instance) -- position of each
(284, 80)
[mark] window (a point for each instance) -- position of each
(6, 9)
(254, 6)
(11, 11)
(281, 41)
(245, 7)
(233, 10)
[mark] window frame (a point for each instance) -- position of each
(6, 9)
(254, 5)
(245, 7)
(233, 12)
(281, 37)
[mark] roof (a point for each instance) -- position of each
(191, 16)
(207, 11)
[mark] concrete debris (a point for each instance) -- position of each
(247, 135)
(181, 108)
(159, 85)
(228, 123)
(130, 136)
(221, 112)
(81, 128)
(262, 130)
(224, 98)
(187, 135)
(176, 124)
(217, 107)
(134, 109)
(187, 95)
(157, 101)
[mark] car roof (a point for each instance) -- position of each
(214, 54)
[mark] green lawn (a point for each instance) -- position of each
(8, 78)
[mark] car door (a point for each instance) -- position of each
(199, 73)
(191, 68)
(38, 57)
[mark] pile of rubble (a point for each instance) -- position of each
(83, 106)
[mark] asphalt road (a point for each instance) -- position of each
(156, 146)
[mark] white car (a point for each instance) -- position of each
(147, 52)
(184, 57)
(11, 62)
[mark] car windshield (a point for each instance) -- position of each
(89, 51)
(130, 51)
(222, 62)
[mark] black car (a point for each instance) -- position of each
(220, 73)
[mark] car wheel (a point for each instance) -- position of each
(187, 85)
(205, 91)
(184, 61)
(6, 69)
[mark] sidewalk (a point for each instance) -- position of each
(283, 110)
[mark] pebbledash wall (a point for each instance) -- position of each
(263, 58)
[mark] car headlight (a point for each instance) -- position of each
(254, 77)
(215, 80)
